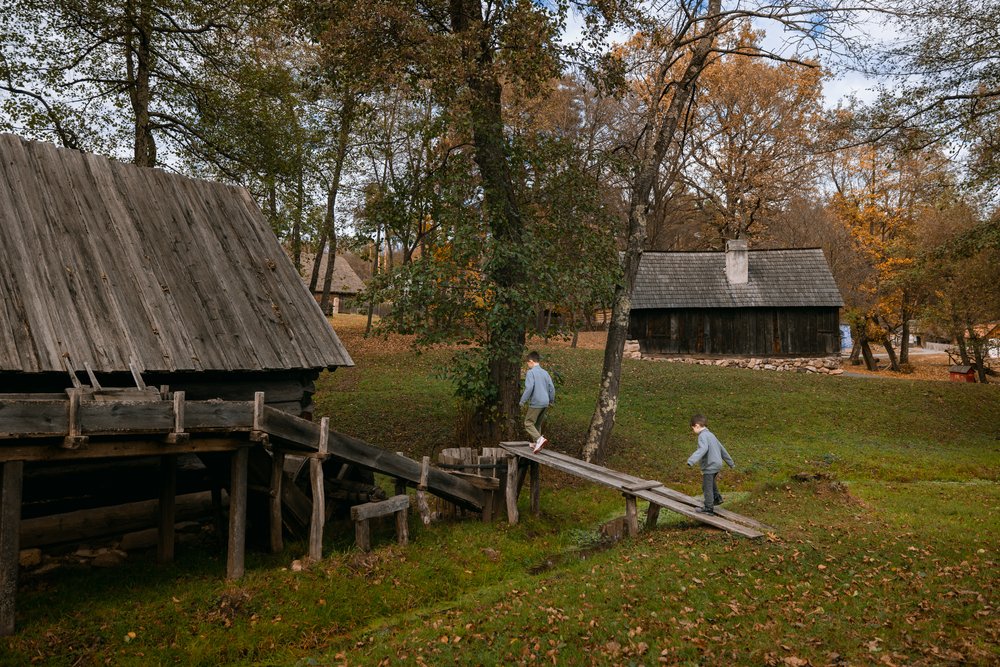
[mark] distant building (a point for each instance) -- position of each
(737, 303)
(345, 282)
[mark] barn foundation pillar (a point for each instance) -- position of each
(11, 484)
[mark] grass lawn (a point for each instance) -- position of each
(887, 557)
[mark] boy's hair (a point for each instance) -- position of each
(699, 420)
(534, 356)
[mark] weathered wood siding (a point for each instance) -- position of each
(796, 332)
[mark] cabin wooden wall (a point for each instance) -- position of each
(747, 332)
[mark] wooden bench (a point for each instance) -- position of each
(360, 514)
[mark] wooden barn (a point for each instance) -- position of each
(148, 320)
(115, 269)
(760, 303)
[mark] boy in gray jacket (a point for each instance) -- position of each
(711, 453)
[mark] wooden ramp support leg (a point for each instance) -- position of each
(631, 515)
(237, 513)
(318, 492)
(168, 508)
(11, 480)
(536, 488)
(652, 515)
(512, 489)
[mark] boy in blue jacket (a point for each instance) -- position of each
(539, 394)
(711, 453)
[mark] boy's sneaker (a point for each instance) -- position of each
(719, 501)
(705, 510)
(537, 447)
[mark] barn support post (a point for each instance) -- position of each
(11, 481)
(277, 474)
(237, 513)
(168, 508)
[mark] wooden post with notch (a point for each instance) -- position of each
(178, 436)
(168, 508)
(318, 492)
(422, 507)
(257, 433)
(235, 563)
(11, 484)
(74, 438)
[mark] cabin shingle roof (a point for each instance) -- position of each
(777, 278)
(107, 262)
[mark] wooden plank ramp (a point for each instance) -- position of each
(652, 491)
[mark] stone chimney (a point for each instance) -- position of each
(737, 263)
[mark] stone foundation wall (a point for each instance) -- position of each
(822, 365)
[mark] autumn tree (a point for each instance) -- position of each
(751, 138)
(880, 192)
(684, 40)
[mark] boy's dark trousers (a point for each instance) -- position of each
(710, 489)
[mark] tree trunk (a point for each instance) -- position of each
(665, 126)
(138, 65)
(977, 351)
(371, 296)
(297, 221)
(505, 268)
(891, 353)
(314, 276)
(866, 351)
(343, 137)
(904, 335)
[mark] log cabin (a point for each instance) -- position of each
(737, 303)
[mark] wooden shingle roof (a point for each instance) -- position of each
(777, 278)
(344, 281)
(107, 262)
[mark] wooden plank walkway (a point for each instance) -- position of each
(651, 491)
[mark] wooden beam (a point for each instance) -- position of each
(277, 475)
(318, 509)
(105, 521)
(11, 484)
(237, 514)
(168, 508)
(97, 449)
(379, 508)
